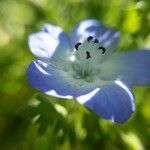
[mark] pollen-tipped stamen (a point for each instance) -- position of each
(89, 38)
(103, 49)
(77, 45)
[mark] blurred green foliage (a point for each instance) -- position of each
(37, 122)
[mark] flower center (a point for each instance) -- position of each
(86, 59)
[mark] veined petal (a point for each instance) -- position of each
(51, 81)
(107, 37)
(130, 67)
(113, 101)
(50, 41)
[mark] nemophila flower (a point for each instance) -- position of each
(84, 65)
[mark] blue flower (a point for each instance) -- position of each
(85, 66)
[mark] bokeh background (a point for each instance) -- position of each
(30, 120)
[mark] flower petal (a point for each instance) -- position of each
(107, 37)
(50, 41)
(113, 101)
(51, 81)
(130, 67)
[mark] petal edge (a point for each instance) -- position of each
(114, 102)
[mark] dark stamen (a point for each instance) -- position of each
(89, 38)
(88, 55)
(77, 46)
(96, 41)
(103, 49)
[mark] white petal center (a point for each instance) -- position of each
(86, 59)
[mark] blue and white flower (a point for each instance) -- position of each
(85, 66)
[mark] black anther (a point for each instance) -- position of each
(103, 49)
(89, 38)
(88, 55)
(77, 46)
(96, 41)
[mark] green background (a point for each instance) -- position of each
(32, 121)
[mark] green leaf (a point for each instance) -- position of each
(43, 113)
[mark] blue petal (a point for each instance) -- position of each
(107, 37)
(50, 80)
(114, 101)
(133, 67)
(50, 41)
